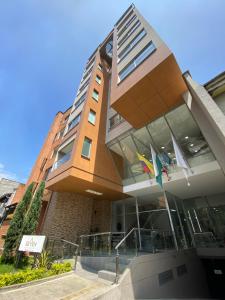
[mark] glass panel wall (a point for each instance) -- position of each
(158, 133)
(207, 220)
(189, 136)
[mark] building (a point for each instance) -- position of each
(10, 194)
(133, 98)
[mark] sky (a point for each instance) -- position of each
(44, 45)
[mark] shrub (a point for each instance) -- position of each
(16, 225)
(34, 274)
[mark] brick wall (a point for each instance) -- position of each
(69, 215)
(101, 216)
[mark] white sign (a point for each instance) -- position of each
(32, 243)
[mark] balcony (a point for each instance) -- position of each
(63, 155)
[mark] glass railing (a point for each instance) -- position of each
(62, 160)
(100, 244)
(208, 240)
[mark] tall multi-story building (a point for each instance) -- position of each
(133, 108)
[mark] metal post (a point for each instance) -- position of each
(75, 262)
(181, 225)
(171, 221)
(136, 247)
(117, 266)
(109, 243)
(138, 223)
(196, 217)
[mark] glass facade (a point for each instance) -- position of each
(206, 216)
(178, 122)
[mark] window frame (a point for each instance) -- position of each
(133, 63)
(89, 150)
(93, 114)
(96, 92)
(98, 79)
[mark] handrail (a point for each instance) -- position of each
(121, 242)
(68, 242)
(103, 233)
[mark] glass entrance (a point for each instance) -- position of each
(159, 220)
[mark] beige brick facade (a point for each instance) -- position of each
(70, 215)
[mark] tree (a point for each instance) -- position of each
(14, 232)
(32, 217)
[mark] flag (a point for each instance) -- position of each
(146, 164)
(157, 166)
(181, 162)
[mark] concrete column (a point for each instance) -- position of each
(209, 117)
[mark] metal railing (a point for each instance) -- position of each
(143, 240)
(208, 240)
(60, 249)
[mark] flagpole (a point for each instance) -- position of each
(170, 219)
(182, 152)
(160, 182)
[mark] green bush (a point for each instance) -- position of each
(29, 275)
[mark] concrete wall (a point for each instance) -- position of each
(141, 280)
(209, 117)
(8, 186)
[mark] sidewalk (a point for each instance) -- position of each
(64, 288)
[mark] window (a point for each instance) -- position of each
(74, 122)
(149, 49)
(46, 174)
(129, 32)
(91, 117)
(79, 101)
(131, 45)
(100, 67)
(86, 150)
(64, 154)
(86, 74)
(95, 95)
(66, 119)
(126, 26)
(115, 120)
(98, 79)
(83, 86)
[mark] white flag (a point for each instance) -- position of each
(181, 162)
(154, 161)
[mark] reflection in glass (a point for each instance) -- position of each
(189, 136)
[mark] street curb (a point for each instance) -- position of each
(33, 282)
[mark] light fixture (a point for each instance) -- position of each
(162, 147)
(168, 153)
(191, 145)
(186, 137)
(94, 192)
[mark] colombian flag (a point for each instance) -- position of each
(147, 165)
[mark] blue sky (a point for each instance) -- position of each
(44, 45)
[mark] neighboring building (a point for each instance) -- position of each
(10, 194)
(132, 96)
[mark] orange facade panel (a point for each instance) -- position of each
(98, 171)
(149, 91)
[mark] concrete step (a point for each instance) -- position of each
(107, 275)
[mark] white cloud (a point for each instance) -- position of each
(7, 174)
